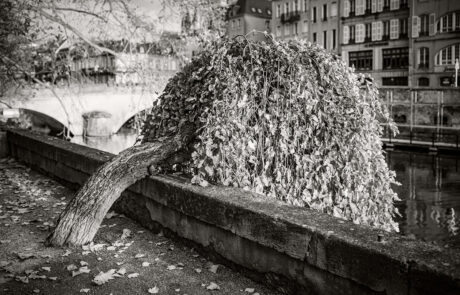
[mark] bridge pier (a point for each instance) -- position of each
(97, 124)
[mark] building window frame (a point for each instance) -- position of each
(395, 58)
(361, 60)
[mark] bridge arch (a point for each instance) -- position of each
(42, 121)
(127, 117)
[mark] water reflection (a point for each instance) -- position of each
(114, 144)
(430, 195)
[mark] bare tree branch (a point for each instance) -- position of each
(57, 19)
(20, 68)
(78, 11)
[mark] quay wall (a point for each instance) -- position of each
(296, 250)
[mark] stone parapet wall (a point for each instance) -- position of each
(300, 251)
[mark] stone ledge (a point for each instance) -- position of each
(319, 243)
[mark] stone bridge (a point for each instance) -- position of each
(119, 104)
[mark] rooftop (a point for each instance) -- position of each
(258, 8)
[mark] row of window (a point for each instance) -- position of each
(362, 7)
(398, 58)
(375, 31)
(449, 22)
(288, 30)
(333, 42)
(392, 58)
(295, 6)
(291, 29)
(235, 23)
(324, 12)
(448, 55)
(425, 24)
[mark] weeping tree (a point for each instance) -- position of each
(284, 119)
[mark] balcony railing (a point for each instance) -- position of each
(290, 17)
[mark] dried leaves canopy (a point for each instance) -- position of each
(284, 119)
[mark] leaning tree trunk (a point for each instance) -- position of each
(79, 222)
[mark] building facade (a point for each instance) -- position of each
(325, 23)
(375, 39)
(409, 43)
(314, 20)
(246, 16)
(290, 19)
(435, 42)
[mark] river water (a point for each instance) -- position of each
(429, 190)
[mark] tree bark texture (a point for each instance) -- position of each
(79, 222)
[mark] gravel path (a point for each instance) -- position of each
(124, 259)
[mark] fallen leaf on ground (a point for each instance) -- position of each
(111, 248)
(71, 267)
(126, 234)
(213, 268)
(104, 277)
(83, 263)
(198, 270)
(154, 290)
(35, 276)
(52, 278)
(133, 275)
(93, 247)
(84, 290)
(145, 264)
(213, 286)
(47, 268)
(24, 256)
(24, 280)
(66, 253)
(249, 290)
(171, 267)
(81, 270)
(121, 271)
(139, 256)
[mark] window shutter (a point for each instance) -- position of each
(415, 26)
(374, 31)
(418, 56)
(360, 7)
(360, 33)
(379, 30)
(374, 6)
(379, 5)
(432, 21)
(346, 8)
(394, 29)
(376, 56)
(346, 34)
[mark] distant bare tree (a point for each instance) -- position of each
(40, 38)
